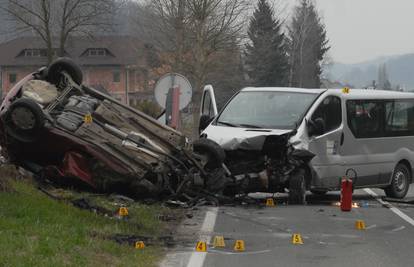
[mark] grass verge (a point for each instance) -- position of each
(38, 231)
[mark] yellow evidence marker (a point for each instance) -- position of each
(360, 225)
(139, 245)
(201, 246)
(270, 202)
(88, 118)
(345, 90)
(219, 242)
(239, 246)
(123, 211)
(297, 239)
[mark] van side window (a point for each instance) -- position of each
(330, 110)
(365, 118)
(399, 118)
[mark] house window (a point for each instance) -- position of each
(32, 53)
(116, 77)
(97, 52)
(12, 77)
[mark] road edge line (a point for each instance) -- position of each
(401, 214)
(197, 258)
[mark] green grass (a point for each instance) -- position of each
(38, 231)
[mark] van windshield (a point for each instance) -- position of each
(270, 110)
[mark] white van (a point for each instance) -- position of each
(365, 134)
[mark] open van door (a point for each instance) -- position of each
(208, 107)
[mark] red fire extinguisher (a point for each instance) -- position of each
(347, 188)
(346, 194)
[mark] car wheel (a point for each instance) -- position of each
(297, 188)
(24, 120)
(400, 182)
(319, 192)
(210, 149)
(64, 64)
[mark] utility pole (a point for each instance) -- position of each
(180, 35)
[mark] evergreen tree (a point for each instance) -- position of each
(308, 45)
(266, 55)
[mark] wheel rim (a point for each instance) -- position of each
(23, 118)
(400, 181)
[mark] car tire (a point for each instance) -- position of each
(297, 188)
(64, 64)
(400, 182)
(24, 120)
(215, 154)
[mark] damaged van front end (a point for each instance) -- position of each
(269, 160)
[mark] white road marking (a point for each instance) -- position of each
(242, 253)
(197, 258)
(371, 227)
(403, 216)
(398, 229)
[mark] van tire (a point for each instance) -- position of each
(297, 188)
(215, 154)
(319, 192)
(400, 182)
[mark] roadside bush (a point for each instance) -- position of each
(148, 107)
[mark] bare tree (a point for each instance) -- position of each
(83, 17)
(196, 30)
(35, 16)
(60, 19)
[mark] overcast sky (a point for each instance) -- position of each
(360, 30)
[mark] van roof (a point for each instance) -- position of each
(353, 93)
(283, 89)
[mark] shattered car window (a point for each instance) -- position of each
(274, 110)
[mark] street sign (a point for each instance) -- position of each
(171, 81)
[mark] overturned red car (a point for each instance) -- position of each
(68, 133)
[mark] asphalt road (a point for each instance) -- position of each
(329, 235)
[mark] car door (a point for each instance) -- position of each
(208, 107)
(328, 162)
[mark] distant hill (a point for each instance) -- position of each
(400, 71)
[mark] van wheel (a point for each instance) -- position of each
(400, 182)
(319, 192)
(297, 188)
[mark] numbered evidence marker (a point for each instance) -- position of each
(123, 211)
(139, 245)
(88, 118)
(239, 246)
(345, 90)
(270, 202)
(360, 225)
(219, 242)
(201, 246)
(297, 239)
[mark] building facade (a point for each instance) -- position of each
(113, 64)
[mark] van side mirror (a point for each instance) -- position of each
(204, 122)
(316, 127)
